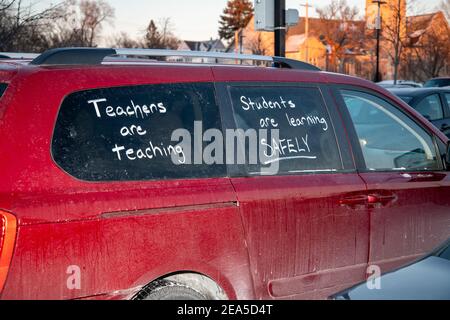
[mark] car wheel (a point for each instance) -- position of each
(169, 290)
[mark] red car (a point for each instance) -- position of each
(102, 196)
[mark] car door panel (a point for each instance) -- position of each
(414, 222)
(303, 242)
(409, 206)
(307, 231)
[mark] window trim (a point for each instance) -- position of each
(226, 106)
(353, 137)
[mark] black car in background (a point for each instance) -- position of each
(432, 103)
(437, 82)
(425, 279)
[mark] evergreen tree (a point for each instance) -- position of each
(153, 37)
(160, 36)
(236, 16)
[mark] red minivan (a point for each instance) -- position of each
(141, 179)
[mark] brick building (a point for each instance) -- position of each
(349, 46)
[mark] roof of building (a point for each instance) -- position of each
(317, 25)
(208, 45)
(421, 21)
(417, 25)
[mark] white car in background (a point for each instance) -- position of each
(399, 84)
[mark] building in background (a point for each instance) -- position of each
(427, 47)
(422, 46)
(212, 45)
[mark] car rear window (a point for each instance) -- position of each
(124, 133)
(306, 140)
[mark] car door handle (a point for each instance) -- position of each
(354, 200)
(371, 199)
(382, 199)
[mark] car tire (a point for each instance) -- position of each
(169, 290)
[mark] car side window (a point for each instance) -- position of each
(125, 133)
(300, 135)
(430, 107)
(447, 98)
(389, 139)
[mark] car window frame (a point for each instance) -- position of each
(228, 121)
(353, 136)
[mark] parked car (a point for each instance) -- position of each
(13, 57)
(18, 55)
(437, 82)
(425, 279)
(399, 84)
(208, 181)
(432, 103)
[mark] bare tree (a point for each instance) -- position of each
(69, 23)
(168, 39)
(256, 44)
(123, 40)
(6, 4)
(22, 26)
(339, 30)
(160, 36)
(93, 15)
(394, 32)
(433, 56)
(431, 53)
(82, 24)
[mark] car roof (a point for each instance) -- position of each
(92, 61)
(415, 92)
(222, 72)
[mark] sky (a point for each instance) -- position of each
(197, 19)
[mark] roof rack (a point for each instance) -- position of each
(18, 55)
(83, 56)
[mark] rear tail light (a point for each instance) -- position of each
(8, 228)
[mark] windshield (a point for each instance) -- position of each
(407, 99)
